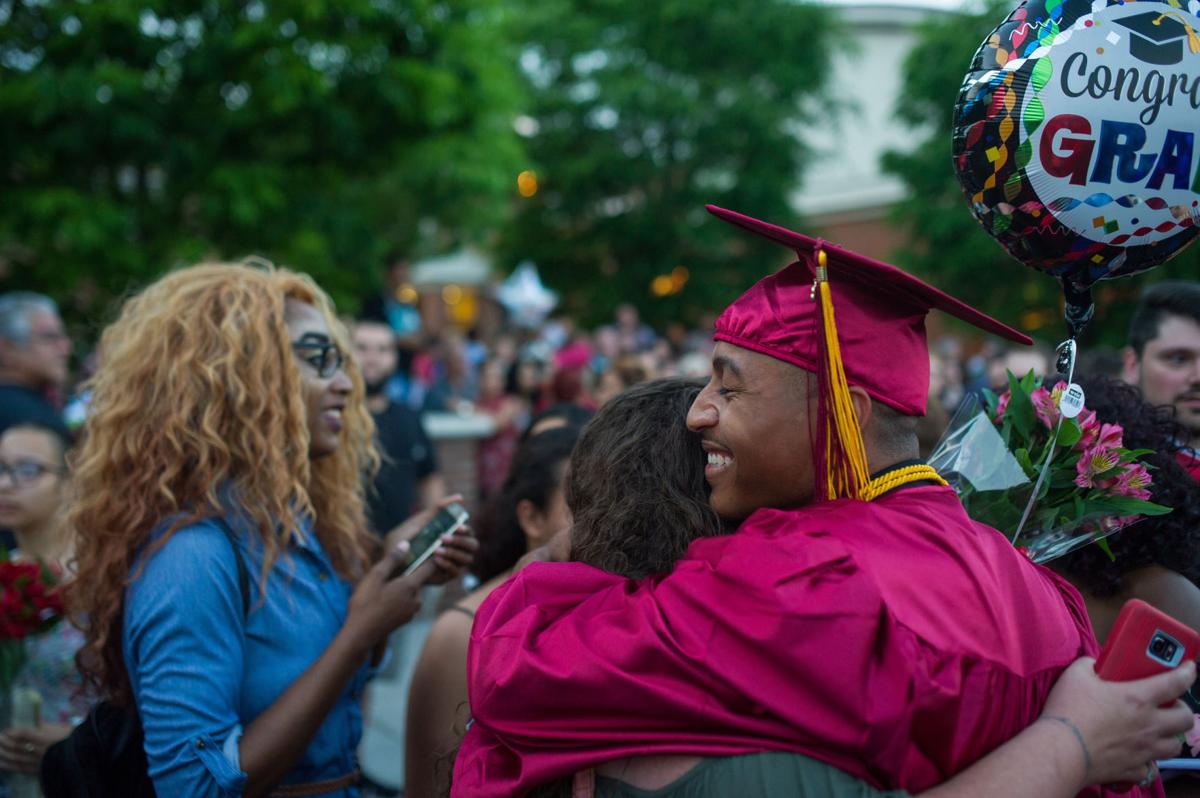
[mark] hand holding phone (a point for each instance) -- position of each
(422, 545)
(1145, 641)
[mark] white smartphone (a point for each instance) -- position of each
(422, 546)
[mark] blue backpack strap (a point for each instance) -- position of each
(243, 574)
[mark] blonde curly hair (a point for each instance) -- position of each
(198, 393)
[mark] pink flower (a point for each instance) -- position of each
(1045, 405)
(1002, 405)
(1089, 429)
(1110, 436)
(1094, 461)
(1134, 482)
(1193, 737)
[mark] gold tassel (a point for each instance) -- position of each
(846, 472)
(1192, 37)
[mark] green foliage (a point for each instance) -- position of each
(646, 111)
(316, 133)
(949, 245)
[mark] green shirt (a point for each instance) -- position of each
(764, 775)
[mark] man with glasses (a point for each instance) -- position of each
(34, 350)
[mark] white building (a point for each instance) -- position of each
(845, 195)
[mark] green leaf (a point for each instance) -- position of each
(1123, 505)
(991, 402)
(1069, 434)
(1020, 410)
(1022, 456)
(1104, 547)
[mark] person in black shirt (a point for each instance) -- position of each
(34, 351)
(408, 479)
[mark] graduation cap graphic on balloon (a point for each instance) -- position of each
(1157, 38)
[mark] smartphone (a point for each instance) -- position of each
(422, 546)
(1145, 641)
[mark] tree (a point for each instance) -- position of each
(316, 133)
(641, 113)
(948, 244)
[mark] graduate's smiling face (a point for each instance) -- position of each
(752, 418)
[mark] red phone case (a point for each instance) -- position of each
(1126, 653)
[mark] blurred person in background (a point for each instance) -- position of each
(1157, 558)
(556, 417)
(695, 365)
(948, 351)
(528, 511)
(396, 305)
(607, 348)
(1019, 361)
(932, 425)
(632, 368)
(527, 376)
(227, 426)
(608, 386)
(1163, 357)
(1099, 361)
(408, 479)
(632, 335)
(33, 493)
(508, 414)
(449, 379)
(34, 354)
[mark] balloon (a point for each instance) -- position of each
(1075, 138)
(524, 296)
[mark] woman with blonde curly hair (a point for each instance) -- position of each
(226, 426)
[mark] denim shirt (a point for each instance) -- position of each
(202, 669)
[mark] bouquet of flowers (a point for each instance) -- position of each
(995, 454)
(30, 603)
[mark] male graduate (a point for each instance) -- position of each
(857, 616)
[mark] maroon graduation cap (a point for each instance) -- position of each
(849, 319)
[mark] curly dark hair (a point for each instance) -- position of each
(536, 472)
(1172, 540)
(636, 486)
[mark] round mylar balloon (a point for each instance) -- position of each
(1075, 137)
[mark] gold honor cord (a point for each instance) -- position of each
(901, 476)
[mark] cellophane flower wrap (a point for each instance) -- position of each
(30, 603)
(993, 452)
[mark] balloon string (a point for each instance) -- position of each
(1066, 358)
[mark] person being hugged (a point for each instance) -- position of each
(229, 435)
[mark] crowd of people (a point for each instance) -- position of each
(697, 563)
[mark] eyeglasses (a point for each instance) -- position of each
(325, 358)
(24, 473)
